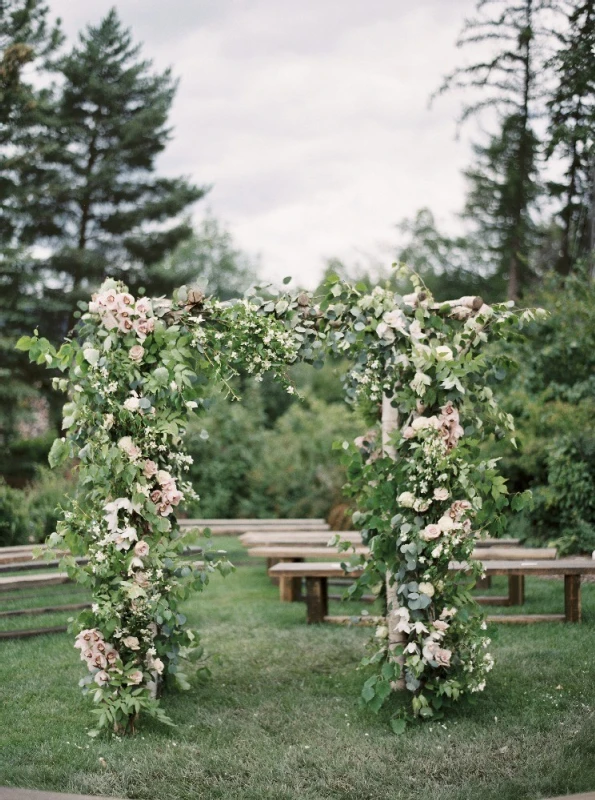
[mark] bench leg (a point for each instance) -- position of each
(572, 598)
(290, 589)
(516, 590)
(316, 599)
(271, 563)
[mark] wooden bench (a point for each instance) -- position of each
(33, 581)
(571, 569)
(315, 537)
(290, 589)
(308, 538)
(239, 526)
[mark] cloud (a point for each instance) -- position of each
(309, 119)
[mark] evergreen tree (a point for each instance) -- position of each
(507, 81)
(499, 202)
(27, 40)
(571, 131)
(450, 266)
(107, 213)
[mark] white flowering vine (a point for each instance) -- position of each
(422, 374)
(134, 371)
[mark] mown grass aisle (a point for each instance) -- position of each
(280, 718)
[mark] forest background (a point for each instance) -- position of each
(81, 128)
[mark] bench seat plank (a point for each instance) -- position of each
(33, 581)
(498, 554)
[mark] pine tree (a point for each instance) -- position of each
(503, 224)
(507, 81)
(571, 130)
(27, 40)
(107, 213)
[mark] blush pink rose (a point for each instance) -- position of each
(135, 677)
(101, 678)
(136, 353)
(430, 532)
(141, 549)
(150, 469)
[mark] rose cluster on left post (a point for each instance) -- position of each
(129, 394)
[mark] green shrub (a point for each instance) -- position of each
(298, 474)
(288, 470)
(14, 528)
(44, 498)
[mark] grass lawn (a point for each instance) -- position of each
(280, 718)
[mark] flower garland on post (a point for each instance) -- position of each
(135, 371)
(423, 491)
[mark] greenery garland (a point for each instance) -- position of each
(134, 372)
(425, 493)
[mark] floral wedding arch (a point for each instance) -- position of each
(139, 367)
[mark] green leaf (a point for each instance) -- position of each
(58, 453)
(24, 343)
(398, 726)
(368, 691)
(92, 356)
(287, 279)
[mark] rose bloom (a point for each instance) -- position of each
(131, 642)
(143, 306)
(173, 496)
(127, 445)
(101, 678)
(441, 493)
(135, 677)
(155, 496)
(396, 319)
(427, 588)
(125, 300)
(406, 499)
(420, 423)
(381, 632)
(99, 661)
(440, 625)
(136, 353)
(144, 327)
(131, 404)
(158, 665)
(150, 469)
(446, 524)
(164, 477)
(165, 510)
(141, 549)
(408, 432)
(430, 532)
(442, 656)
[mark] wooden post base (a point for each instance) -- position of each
(290, 589)
(572, 598)
(516, 590)
(316, 599)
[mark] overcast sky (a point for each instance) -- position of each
(310, 119)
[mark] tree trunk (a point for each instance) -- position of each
(390, 422)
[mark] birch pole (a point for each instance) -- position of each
(390, 423)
